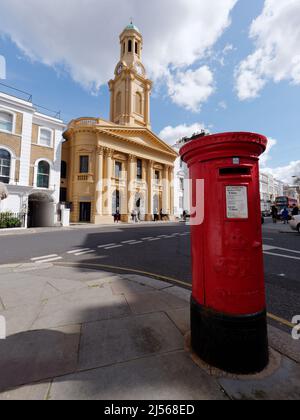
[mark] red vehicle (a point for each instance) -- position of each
(285, 202)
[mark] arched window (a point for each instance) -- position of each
(119, 103)
(43, 174)
(63, 169)
(136, 48)
(130, 46)
(139, 103)
(6, 121)
(5, 164)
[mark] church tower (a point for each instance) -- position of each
(130, 90)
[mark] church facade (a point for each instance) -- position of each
(119, 164)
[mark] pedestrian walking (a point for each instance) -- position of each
(117, 216)
(134, 216)
(156, 216)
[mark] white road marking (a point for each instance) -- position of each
(75, 251)
(105, 246)
(44, 257)
(48, 260)
(270, 248)
(114, 246)
(147, 239)
(282, 256)
(135, 243)
(91, 251)
(128, 242)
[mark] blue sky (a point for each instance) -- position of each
(59, 82)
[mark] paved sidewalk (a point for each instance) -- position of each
(76, 334)
(75, 226)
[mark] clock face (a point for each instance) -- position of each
(139, 69)
(120, 68)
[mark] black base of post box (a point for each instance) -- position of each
(235, 344)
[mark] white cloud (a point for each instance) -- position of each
(267, 155)
(276, 33)
(282, 173)
(191, 89)
(286, 173)
(172, 134)
(82, 36)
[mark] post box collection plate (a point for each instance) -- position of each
(237, 202)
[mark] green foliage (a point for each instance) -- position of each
(8, 220)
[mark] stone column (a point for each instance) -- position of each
(166, 190)
(171, 180)
(99, 181)
(108, 176)
(131, 177)
(150, 180)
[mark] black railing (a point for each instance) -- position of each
(9, 220)
(25, 96)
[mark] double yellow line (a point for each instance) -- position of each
(164, 278)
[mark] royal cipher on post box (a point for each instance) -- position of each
(228, 307)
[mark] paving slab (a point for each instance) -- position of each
(85, 306)
(35, 392)
(284, 384)
(181, 293)
(284, 343)
(20, 319)
(108, 342)
(181, 318)
(37, 355)
(19, 290)
(156, 301)
(72, 273)
(148, 281)
(163, 377)
(126, 286)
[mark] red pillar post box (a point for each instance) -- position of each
(228, 307)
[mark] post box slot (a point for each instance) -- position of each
(235, 171)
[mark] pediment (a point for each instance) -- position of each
(142, 137)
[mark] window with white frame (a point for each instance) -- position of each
(43, 174)
(45, 137)
(6, 121)
(5, 165)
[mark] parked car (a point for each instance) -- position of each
(295, 223)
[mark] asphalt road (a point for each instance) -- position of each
(163, 250)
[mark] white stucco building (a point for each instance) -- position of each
(30, 155)
(270, 189)
(181, 185)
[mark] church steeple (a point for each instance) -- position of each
(130, 89)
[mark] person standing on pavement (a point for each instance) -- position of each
(274, 214)
(285, 216)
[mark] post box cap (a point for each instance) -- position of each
(224, 145)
